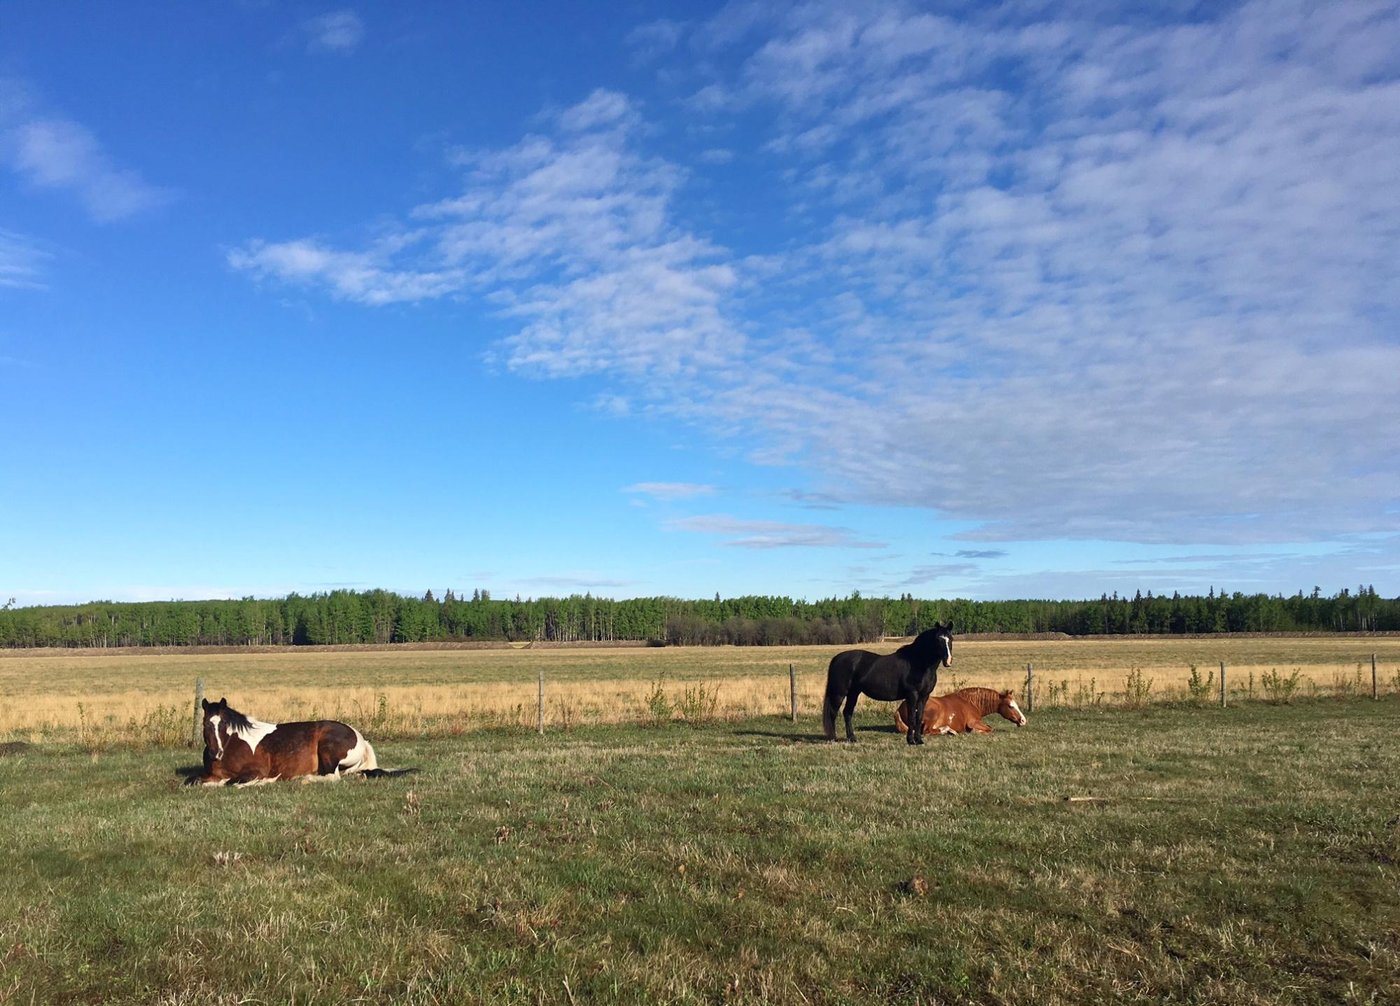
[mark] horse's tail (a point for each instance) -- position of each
(387, 773)
(370, 762)
(360, 759)
(838, 683)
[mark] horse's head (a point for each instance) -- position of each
(215, 726)
(944, 635)
(221, 721)
(1010, 708)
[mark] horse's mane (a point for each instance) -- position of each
(236, 720)
(922, 643)
(985, 699)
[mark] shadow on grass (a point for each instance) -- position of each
(797, 736)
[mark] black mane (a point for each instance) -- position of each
(232, 717)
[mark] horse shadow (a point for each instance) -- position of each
(800, 737)
(189, 773)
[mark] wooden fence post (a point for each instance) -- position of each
(1375, 684)
(198, 710)
(792, 689)
(1030, 689)
(1222, 684)
(539, 705)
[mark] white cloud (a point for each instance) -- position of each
(356, 276)
(1141, 284)
(1057, 278)
(655, 39)
(569, 234)
(49, 152)
(339, 31)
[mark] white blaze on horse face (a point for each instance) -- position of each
(218, 737)
(948, 642)
(1020, 719)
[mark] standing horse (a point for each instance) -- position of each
(962, 712)
(909, 673)
(243, 750)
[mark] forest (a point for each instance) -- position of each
(379, 616)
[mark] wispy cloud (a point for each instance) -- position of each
(338, 32)
(1120, 313)
(654, 39)
(669, 491)
(1123, 278)
(569, 235)
(50, 151)
(761, 534)
(367, 276)
(22, 261)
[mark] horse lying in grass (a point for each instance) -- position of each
(962, 712)
(241, 750)
(909, 673)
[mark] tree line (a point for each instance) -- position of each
(380, 616)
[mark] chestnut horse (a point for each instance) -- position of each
(242, 750)
(909, 673)
(962, 712)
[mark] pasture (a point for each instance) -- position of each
(142, 696)
(1170, 853)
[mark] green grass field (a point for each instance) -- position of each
(1168, 854)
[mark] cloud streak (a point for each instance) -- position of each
(670, 491)
(762, 534)
(22, 262)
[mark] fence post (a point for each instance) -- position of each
(1222, 684)
(198, 710)
(792, 689)
(1030, 689)
(539, 705)
(1375, 684)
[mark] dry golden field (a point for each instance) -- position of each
(145, 696)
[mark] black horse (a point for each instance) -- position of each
(908, 674)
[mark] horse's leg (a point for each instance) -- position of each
(978, 726)
(850, 711)
(214, 774)
(916, 718)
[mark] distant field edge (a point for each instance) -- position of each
(622, 644)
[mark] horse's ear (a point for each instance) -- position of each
(205, 703)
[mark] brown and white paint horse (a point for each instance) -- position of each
(962, 712)
(241, 750)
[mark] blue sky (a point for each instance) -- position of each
(1045, 300)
